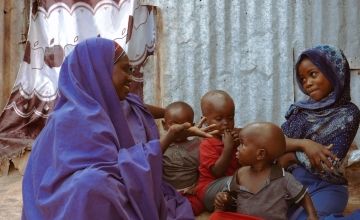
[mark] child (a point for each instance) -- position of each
(181, 158)
(264, 189)
(325, 117)
(217, 154)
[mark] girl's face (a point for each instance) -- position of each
(313, 81)
(121, 77)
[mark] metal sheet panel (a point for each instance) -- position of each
(245, 47)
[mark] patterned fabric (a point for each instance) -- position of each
(54, 30)
(332, 120)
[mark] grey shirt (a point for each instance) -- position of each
(181, 162)
(273, 200)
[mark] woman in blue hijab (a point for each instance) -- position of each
(327, 117)
(99, 155)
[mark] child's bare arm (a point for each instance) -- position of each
(157, 112)
(307, 204)
(223, 162)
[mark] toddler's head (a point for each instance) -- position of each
(219, 109)
(177, 113)
(261, 141)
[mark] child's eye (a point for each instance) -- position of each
(313, 74)
(218, 118)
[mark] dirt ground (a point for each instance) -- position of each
(11, 200)
(10, 196)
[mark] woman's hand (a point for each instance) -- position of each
(181, 131)
(318, 154)
(211, 129)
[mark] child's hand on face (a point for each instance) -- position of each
(228, 139)
(235, 136)
(221, 200)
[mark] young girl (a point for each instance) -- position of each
(327, 117)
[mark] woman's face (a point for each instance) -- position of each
(121, 77)
(313, 81)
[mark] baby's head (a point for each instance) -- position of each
(177, 113)
(261, 141)
(218, 108)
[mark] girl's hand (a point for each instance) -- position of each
(318, 154)
(221, 200)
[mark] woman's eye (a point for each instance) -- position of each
(131, 70)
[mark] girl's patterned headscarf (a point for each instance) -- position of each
(333, 64)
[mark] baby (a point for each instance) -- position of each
(262, 188)
(181, 158)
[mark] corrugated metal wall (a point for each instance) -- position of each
(13, 30)
(247, 48)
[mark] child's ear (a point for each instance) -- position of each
(260, 154)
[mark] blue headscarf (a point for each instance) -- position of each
(97, 157)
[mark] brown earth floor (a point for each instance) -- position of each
(11, 201)
(10, 196)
